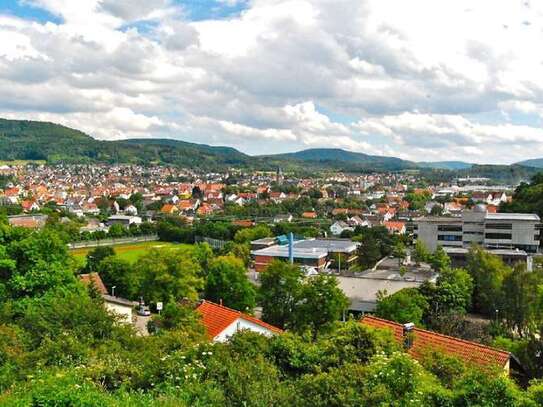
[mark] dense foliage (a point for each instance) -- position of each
(59, 346)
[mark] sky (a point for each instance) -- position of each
(424, 80)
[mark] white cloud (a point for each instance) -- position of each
(420, 79)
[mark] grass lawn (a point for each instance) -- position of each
(130, 251)
(21, 162)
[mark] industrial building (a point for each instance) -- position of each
(319, 254)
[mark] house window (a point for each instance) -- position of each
(502, 236)
(450, 238)
(506, 226)
(449, 228)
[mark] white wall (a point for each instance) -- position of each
(238, 325)
(122, 310)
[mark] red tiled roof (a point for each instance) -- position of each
(425, 341)
(216, 318)
(394, 225)
(246, 223)
(95, 279)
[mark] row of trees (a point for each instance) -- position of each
(511, 298)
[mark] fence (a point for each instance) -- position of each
(214, 243)
(112, 242)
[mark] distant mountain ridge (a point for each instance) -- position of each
(31, 140)
(535, 163)
(54, 143)
(445, 165)
(339, 158)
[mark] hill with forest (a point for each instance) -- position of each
(445, 165)
(336, 158)
(31, 140)
(536, 163)
(54, 143)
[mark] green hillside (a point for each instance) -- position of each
(337, 158)
(30, 140)
(445, 165)
(535, 163)
(22, 140)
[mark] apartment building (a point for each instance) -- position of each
(478, 226)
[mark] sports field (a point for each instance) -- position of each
(130, 251)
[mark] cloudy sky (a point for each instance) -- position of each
(420, 79)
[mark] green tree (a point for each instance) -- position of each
(407, 305)
(117, 230)
(488, 272)
(453, 292)
(421, 252)
(118, 272)
(368, 252)
(279, 291)
(36, 264)
(439, 260)
(522, 294)
(96, 255)
(168, 274)
(247, 235)
(227, 282)
(319, 304)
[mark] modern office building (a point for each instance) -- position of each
(490, 230)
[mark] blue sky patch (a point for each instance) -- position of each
(212, 9)
(27, 11)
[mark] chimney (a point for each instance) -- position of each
(407, 335)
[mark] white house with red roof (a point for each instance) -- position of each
(222, 322)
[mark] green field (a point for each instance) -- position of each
(130, 251)
(21, 162)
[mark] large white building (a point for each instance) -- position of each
(490, 230)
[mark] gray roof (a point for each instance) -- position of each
(513, 216)
(362, 292)
(119, 300)
(330, 245)
(438, 219)
(498, 252)
(299, 253)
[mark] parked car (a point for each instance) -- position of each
(144, 311)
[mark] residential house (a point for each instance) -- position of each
(221, 322)
(339, 226)
(395, 227)
(419, 343)
(122, 308)
(169, 209)
(282, 218)
(29, 206)
(28, 221)
(124, 220)
(309, 215)
(278, 197)
(130, 210)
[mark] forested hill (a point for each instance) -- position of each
(31, 140)
(336, 158)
